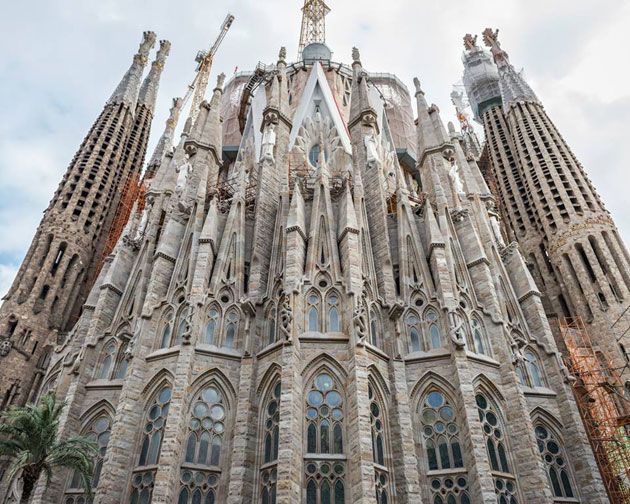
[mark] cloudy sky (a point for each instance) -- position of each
(61, 59)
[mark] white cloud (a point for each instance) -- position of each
(66, 57)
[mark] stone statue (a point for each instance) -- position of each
(496, 229)
(286, 316)
(142, 226)
(455, 330)
(187, 334)
(182, 175)
(359, 320)
(356, 57)
(371, 149)
(268, 142)
(456, 180)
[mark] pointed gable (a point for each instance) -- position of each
(317, 92)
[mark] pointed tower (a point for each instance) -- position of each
(568, 238)
(59, 268)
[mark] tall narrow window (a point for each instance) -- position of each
(201, 471)
(440, 434)
(143, 479)
(122, 361)
(211, 326)
(271, 325)
(533, 369)
(98, 431)
(494, 431)
(374, 328)
(413, 331)
(313, 312)
(432, 320)
(231, 325)
(167, 329)
(478, 337)
(333, 312)
(555, 460)
(324, 468)
(107, 361)
(381, 473)
(271, 434)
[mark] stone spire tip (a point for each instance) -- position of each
(356, 56)
(148, 41)
(416, 83)
(163, 51)
(282, 55)
(220, 81)
(470, 42)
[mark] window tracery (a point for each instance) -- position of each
(113, 365)
(424, 333)
(324, 468)
(143, 478)
(201, 471)
(555, 459)
(271, 435)
(381, 471)
(496, 448)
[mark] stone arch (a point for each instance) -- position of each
(428, 380)
(161, 377)
(482, 383)
(269, 377)
(375, 374)
(540, 414)
(326, 362)
(214, 375)
(96, 409)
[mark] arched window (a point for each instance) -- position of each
(332, 300)
(271, 435)
(200, 471)
(433, 329)
(272, 315)
(121, 362)
(211, 327)
(324, 467)
(181, 325)
(107, 360)
(98, 431)
(440, 435)
(374, 327)
(554, 457)
(496, 447)
(312, 312)
(231, 329)
(533, 369)
(143, 478)
(413, 332)
(381, 472)
(478, 337)
(167, 329)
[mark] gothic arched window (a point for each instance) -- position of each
(496, 447)
(230, 329)
(478, 337)
(324, 467)
(212, 326)
(272, 315)
(533, 369)
(440, 435)
(374, 327)
(121, 362)
(167, 329)
(200, 471)
(413, 332)
(312, 311)
(554, 457)
(433, 329)
(381, 472)
(334, 323)
(143, 478)
(107, 360)
(98, 431)
(271, 435)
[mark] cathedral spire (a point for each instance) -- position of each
(148, 91)
(165, 143)
(127, 90)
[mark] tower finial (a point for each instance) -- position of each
(416, 83)
(470, 41)
(313, 24)
(356, 56)
(491, 39)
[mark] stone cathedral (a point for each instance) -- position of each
(317, 300)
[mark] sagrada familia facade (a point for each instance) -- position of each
(318, 299)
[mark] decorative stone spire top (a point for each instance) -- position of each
(148, 91)
(416, 83)
(127, 90)
(491, 39)
(165, 144)
(220, 81)
(356, 56)
(470, 42)
(282, 55)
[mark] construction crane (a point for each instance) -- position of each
(197, 88)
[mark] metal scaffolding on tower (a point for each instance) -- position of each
(313, 24)
(604, 407)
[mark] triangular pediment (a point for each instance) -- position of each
(317, 96)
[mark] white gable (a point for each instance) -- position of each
(316, 92)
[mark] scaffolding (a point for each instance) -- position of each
(604, 408)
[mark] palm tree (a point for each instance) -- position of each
(28, 436)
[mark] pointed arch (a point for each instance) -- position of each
(534, 371)
(269, 433)
(381, 447)
(273, 372)
(166, 327)
(321, 362)
(158, 379)
(485, 384)
(215, 375)
(428, 380)
(230, 327)
(479, 338)
(314, 314)
(102, 406)
(333, 311)
(414, 331)
(212, 325)
(107, 359)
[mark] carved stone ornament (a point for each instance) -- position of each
(359, 321)
(268, 141)
(187, 334)
(286, 317)
(5, 347)
(454, 331)
(459, 215)
(470, 42)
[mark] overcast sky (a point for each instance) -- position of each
(61, 59)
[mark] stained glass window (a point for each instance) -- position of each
(554, 457)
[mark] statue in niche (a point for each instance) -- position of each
(359, 320)
(455, 331)
(268, 142)
(494, 223)
(286, 316)
(142, 226)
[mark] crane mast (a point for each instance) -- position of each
(197, 88)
